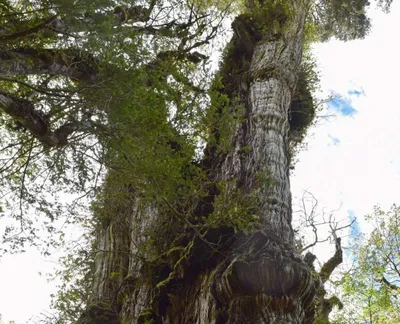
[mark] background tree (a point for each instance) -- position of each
(371, 286)
(107, 93)
(314, 227)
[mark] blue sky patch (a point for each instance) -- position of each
(335, 140)
(342, 106)
(354, 92)
(354, 231)
(355, 228)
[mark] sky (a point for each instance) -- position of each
(353, 157)
(351, 164)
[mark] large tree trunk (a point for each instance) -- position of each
(255, 277)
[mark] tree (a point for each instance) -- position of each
(95, 88)
(372, 284)
(314, 227)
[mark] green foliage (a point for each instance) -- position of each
(220, 119)
(233, 209)
(147, 317)
(343, 19)
(140, 114)
(371, 285)
(75, 284)
(231, 6)
(303, 108)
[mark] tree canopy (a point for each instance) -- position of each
(371, 286)
(85, 83)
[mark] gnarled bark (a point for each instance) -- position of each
(253, 278)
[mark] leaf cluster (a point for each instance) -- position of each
(125, 97)
(372, 284)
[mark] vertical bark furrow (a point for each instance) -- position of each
(111, 261)
(259, 278)
(139, 298)
(270, 100)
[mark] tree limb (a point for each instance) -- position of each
(24, 113)
(29, 31)
(72, 63)
(389, 284)
(134, 13)
(332, 263)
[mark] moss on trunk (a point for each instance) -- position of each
(211, 266)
